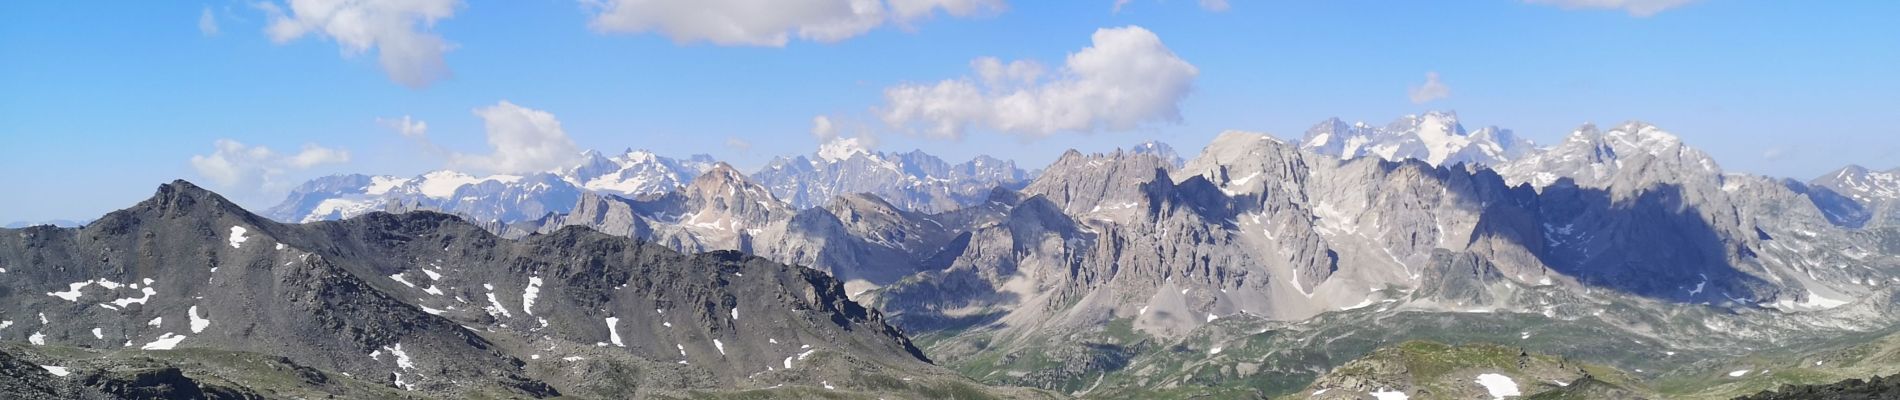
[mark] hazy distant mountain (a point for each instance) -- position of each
(63, 223)
(914, 181)
(1627, 155)
(858, 238)
(1158, 149)
(506, 198)
(1858, 197)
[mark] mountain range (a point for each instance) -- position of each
(1330, 267)
(913, 180)
(423, 302)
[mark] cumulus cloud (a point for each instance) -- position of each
(522, 140)
(769, 22)
(258, 168)
(1637, 8)
(1124, 79)
(1431, 90)
(207, 23)
(398, 30)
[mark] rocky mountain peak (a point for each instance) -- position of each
(722, 181)
(181, 198)
(1862, 184)
(592, 164)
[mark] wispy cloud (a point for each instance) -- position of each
(1431, 90)
(1124, 79)
(1636, 8)
(1778, 153)
(770, 22)
(207, 22)
(1209, 5)
(737, 144)
(399, 32)
(413, 129)
(255, 169)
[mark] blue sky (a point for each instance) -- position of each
(101, 103)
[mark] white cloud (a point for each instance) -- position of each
(397, 29)
(207, 23)
(1637, 8)
(1124, 79)
(769, 22)
(997, 74)
(523, 140)
(258, 168)
(1431, 90)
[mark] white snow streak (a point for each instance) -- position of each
(1498, 385)
(495, 308)
(528, 296)
(613, 333)
(1390, 395)
(198, 323)
(166, 341)
(402, 358)
(237, 237)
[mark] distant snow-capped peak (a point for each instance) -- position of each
(491, 197)
(840, 149)
(1592, 157)
(1434, 137)
(915, 180)
(634, 172)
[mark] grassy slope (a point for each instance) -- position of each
(1268, 359)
